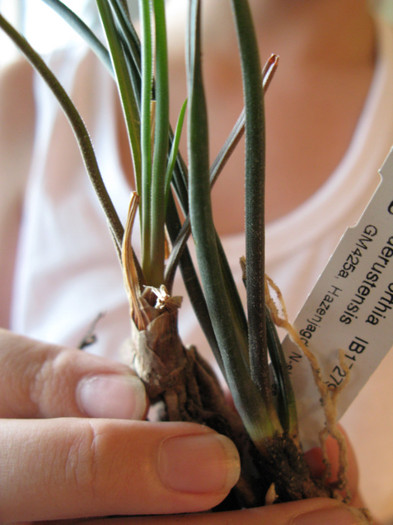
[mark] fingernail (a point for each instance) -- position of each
(199, 463)
(331, 516)
(112, 396)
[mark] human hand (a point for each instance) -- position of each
(55, 467)
(76, 467)
(319, 511)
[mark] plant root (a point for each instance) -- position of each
(328, 396)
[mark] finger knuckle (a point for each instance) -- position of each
(49, 387)
(82, 461)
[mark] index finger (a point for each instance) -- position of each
(318, 511)
(73, 467)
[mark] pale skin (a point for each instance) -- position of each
(59, 463)
(316, 68)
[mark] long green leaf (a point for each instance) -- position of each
(247, 397)
(255, 194)
(238, 130)
(161, 144)
(131, 45)
(124, 83)
(173, 154)
(285, 395)
(83, 30)
(129, 34)
(77, 126)
(190, 280)
(146, 147)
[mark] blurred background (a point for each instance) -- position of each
(45, 30)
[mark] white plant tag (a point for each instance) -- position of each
(350, 308)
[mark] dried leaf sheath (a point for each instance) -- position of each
(178, 379)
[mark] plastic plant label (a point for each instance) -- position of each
(349, 313)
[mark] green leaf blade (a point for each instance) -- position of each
(161, 143)
(231, 340)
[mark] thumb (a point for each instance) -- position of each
(43, 380)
